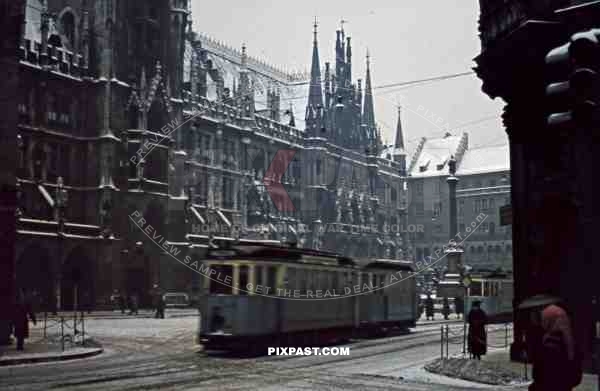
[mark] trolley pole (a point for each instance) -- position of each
(62, 333)
(442, 342)
(465, 321)
(447, 339)
(82, 330)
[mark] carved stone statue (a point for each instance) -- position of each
(452, 165)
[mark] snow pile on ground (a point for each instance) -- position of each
(474, 370)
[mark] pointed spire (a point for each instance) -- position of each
(348, 60)
(315, 25)
(315, 91)
(244, 56)
(399, 142)
(368, 109)
(327, 86)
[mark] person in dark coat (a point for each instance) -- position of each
(556, 362)
(446, 308)
(21, 315)
(160, 306)
(133, 305)
(121, 301)
(429, 307)
(477, 337)
(459, 304)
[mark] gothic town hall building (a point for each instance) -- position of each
(141, 142)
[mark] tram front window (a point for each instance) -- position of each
(218, 286)
(243, 285)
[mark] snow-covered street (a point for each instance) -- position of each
(147, 353)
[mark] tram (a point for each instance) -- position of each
(495, 292)
(270, 295)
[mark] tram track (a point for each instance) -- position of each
(189, 369)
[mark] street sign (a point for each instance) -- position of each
(506, 215)
(466, 281)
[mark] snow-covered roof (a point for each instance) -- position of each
(391, 151)
(293, 87)
(484, 160)
(433, 158)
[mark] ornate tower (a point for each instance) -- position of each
(368, 116)
(399, 154)
(314, 108)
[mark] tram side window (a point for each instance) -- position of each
(243, 285)
(301, 281)
(291, 279)
(475, 289)
(218, 287)
(258, 270)
(349, 280)
(272, 279)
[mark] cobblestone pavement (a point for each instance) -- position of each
(162, 354)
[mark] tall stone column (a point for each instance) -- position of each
(451, 285)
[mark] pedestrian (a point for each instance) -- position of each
(429, 307)
(160, 307)
(133, 308)
(477, 337)
(21, 314)
(459, 304)
(556, 359)
(128, 303)
(446, 308)
(121, 301)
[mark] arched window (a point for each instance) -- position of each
(67, 23)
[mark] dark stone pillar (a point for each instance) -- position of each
(12, 17)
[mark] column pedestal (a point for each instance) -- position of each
(451, 285)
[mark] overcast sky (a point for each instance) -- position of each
(407, 39)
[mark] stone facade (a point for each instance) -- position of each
(483, 186)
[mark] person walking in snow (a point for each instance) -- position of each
(429, 307)
(22, 312)
(446, 308)
(477, 336)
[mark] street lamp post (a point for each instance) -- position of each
(62, 199)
